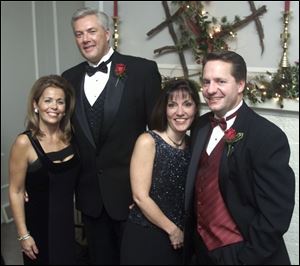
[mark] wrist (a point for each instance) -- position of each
(24, 237)
(171, 229)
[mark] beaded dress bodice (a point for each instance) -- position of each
(168, 182)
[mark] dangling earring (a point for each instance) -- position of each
(36, 110)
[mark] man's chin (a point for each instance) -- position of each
(214, 105)
(89, 57)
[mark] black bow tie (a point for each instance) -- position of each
(102, 67)
(221, 122)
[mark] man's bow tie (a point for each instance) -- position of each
(221, 122)
(102, 67)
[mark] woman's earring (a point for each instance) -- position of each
(36, 110)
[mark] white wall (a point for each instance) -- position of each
(36, 40)
(139, 17)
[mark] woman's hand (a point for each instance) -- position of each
(176, 238)
(29, 248)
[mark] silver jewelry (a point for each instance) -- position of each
(36, 110)
(24, 237)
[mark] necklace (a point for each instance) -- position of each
(175, 143)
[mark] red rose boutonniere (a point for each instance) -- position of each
(231, 137)
(120, 71)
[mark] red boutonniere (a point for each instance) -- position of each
(231, 137)
(120, 71)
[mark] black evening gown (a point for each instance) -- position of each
(50, 210)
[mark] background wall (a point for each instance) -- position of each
(137, 18)
(37, 39)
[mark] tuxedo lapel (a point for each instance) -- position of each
(240, 124)
(80, 111)
(115, 87)
(198, 147)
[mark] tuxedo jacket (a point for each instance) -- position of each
(256, 183)
(104, 180)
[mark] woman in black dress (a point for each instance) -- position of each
(154, 231)
(44, 164)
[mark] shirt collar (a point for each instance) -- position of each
(233, 110)
(104, 58)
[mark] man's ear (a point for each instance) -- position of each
(241, 85)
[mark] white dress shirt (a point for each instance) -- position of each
(94, 85)
(217, 133)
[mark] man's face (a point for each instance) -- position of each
(91, 38)
(220, 89)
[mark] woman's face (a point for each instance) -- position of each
(181, 111)
(51, 106)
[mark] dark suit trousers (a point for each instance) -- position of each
(104, 239)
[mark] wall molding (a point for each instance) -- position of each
(34, 31)
(55, 29)
(6, 213)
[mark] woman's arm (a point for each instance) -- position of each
(141, 178)
(18, 163)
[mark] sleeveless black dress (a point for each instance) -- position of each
(50, 210)
(143, 242)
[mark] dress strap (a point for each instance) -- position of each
(38, 148)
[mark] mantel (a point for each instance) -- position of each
(270, 105)
(290, 109)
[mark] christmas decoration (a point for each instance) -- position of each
(116, 21)
(264, 87)
(203, 35)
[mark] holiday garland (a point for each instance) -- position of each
(264, 87)
(204, 35)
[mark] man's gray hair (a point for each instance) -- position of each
(103, 19)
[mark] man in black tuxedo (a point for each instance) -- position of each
(113, 106)
(240, 188)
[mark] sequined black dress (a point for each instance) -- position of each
(143, 242)
(50, 210)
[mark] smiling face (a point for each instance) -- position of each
(220, 89)
(51, 107)
(181, 111)
(91, 38)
